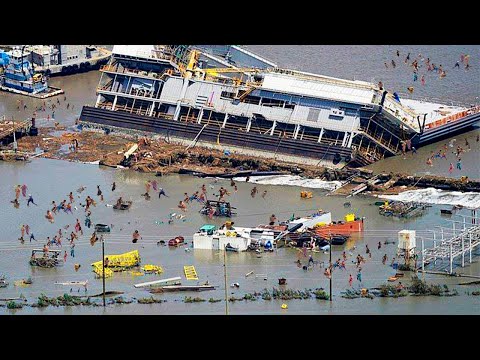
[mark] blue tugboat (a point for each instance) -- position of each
(18, 76)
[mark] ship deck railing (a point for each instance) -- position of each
(118, 68)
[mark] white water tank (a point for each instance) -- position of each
(406, 239)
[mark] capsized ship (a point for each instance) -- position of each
(225, 96)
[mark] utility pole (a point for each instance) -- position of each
(330, 265)
(15, 145)
(103, 268)
(225, 277)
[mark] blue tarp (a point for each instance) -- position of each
(4, 58)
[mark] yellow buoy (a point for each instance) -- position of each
(284, 306)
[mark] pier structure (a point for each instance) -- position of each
(10, 128)
(449, 243)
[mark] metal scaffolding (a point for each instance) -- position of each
(449, 243)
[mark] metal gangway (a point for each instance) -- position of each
(450, 243)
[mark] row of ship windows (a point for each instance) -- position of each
(313, 103)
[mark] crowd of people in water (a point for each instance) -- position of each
(454, 148)
(47, 106)
(72, 204)
(422, 65)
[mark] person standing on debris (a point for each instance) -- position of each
(30, 200)
(136, 236)
(273, 218)
(114, 186)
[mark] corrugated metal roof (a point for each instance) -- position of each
(317, 88)
(142, 51)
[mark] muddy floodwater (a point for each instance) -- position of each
(49, 180)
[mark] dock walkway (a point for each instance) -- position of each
(462, 243)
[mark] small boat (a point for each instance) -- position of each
(350, 225)
(338, 239)
(125, 205)
(446, 212)
(229, 247)
(102, 228)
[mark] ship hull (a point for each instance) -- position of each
(447, 130)
(189, 131)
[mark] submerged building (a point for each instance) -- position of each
(224, 95)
